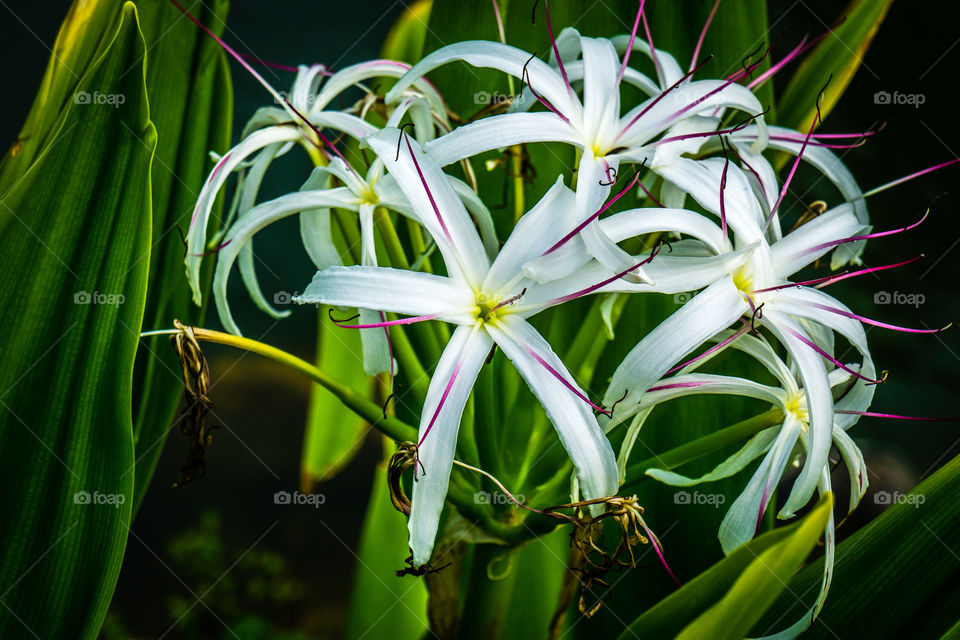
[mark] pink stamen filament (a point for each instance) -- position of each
(633, 37)
(388, 323)
(604, 283)
(556, 374)
(556, 51)
(273, 65)
(386, 333)
(496, 12)
(876, 323)
(703, 34)
(653, 50)
(283, 100)
(658, 548)
(593, 217)
(805, 340)
(873, 414)
(796, 163)
(879, 234)
(541, 99)
(742, 330)
(659, 97)
(910, 177)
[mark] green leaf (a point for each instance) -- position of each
(898, 575)
(76, 238)
(726, 600)
(839, 55)
(384, 606)
(405, 40)
(79, 41)
(333, 433)
(191, 102)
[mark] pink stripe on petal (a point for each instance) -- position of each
(556, 374)
(443, 399)
(742, 330)
(593, 217)
(433, 203)
(388, 323)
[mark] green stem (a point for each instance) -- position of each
(489, 593)
(356, 402)
(705, 445)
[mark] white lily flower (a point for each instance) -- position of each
(299, 119)
(594, 124)
(777, 444)
(801, 317)
(490, 303)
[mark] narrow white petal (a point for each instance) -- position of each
(355, 74)
(249, 224)
(668, 64)
(601, 89)
(480, 214)
(705, 314)
(741, 522)
(196, 237)
(449, 389)
(497, 132)
(545, 80)
(573, 419)
(816, 387)
(537, 231)
(796, 250)
(737, 462)
(394, 290)
(435, 202)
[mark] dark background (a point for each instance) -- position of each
(262, 406)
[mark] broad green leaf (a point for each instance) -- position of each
(404, 42)
(726, 600)
(188, 84)
(333, 433)
(79, 41)
(383, 605)
(74, 253)
(897, 576)
(838, 57)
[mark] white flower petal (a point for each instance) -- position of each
(755, 447)
(576, 425)
(702, 178)
(536, 232)
(669, 68)
(249, 224)
(449, 389)
(497, 132)
(435, 202)
(601, 88)
(742, 520)
(705, 314)
(196, 237)
(795, 250)
(545, 80)
(394, 290)
(816, 388)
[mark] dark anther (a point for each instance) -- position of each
(523, 74)
(883, 378)
(335, 321)
(611, 179)
(400, 138)
(622, 398)
(422, 570)
(757, 315)
(386, 403)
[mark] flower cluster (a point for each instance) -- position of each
(698, 149)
